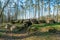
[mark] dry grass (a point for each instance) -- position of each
(41, 35)
(45, 29)
(50, 37)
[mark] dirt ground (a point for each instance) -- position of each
(33, 36)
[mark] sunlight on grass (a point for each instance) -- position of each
(46, 27)
(56, 27)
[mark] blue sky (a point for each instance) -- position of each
(45, 12)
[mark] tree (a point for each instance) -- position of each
(9, 15)
(34, 11)
(16, 11)
(42, 8)
(53, 10)
(49, 8)
(32, 7)
(57, 9)
(0, 6)
(38, 9)
(1, 13)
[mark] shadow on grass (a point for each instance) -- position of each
(41, 34)
(52, 24)
(45, 25)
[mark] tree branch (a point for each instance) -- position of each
(4, 7)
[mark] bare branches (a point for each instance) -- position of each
(4, 7)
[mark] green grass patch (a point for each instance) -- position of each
(38, 26)
(1, 34)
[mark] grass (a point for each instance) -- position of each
(44, 35)
(45, 25)
(1, 34)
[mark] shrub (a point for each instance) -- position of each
(13, 21)
(21, 21)
(27, 23)
(52, 30)
(16, 21)
(32, 29)
(34, 21)
(1, 34)
(50, 20)
(42, 21)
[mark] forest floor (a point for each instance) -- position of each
(33, 36)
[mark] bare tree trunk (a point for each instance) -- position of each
(42, 11)
(49, 8)
(16, 12)
(3, 10)
(8, 15)
(34, 11)
(38, 9)
(25, 13)
(54, 11)
(57, 10)
(29, 12)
